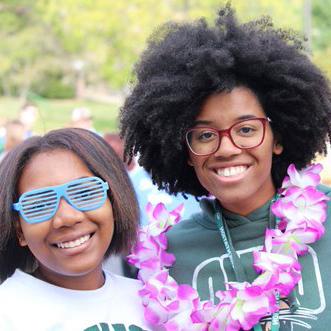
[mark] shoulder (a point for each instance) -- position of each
(325, 189)
(187, 225)
(125, 291)
(126, 284)
(6, 289)
(196, 222)
(12, 282)
(14, 294)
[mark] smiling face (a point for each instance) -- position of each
(71, 246)
(240, 179)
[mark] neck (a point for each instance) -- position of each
(90, 281)
(245, 207)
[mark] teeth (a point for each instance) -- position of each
(74, 243)
(231, 171)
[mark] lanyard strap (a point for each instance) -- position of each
(233, 256)
(275, 316)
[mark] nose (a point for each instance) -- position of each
(226, 147)
(66, 215)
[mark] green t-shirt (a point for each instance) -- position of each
(202, 262)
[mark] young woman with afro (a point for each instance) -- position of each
(222, 111)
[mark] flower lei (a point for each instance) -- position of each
(301, 212)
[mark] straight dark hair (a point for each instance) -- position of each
(100, 159)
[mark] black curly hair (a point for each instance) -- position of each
(186, 63)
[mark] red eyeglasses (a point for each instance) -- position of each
(243, 134)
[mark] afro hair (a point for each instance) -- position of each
(185, 63)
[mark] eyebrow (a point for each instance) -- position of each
(240, 118)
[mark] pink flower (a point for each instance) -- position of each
(183, 321)
(167, 302)
(223, 320)
(205, 314)
(159, 296)
(216, 318)
(303, 178)
(279, 272)
(150, 254)
(303, 208)
(291, 241)
(160, 219)
(251, 304)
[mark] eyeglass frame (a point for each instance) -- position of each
(226, 132)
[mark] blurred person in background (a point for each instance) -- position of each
(27, 116)
(2, 134)
(14, 135)
(82, 118)
(145, 189)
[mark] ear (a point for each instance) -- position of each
(277, 148)
(189, 161)
(20, 235)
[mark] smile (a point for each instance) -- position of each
(74, 243)
(231, 171)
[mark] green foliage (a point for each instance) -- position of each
(53, 86)
(322, 24)
(321, 34)
(108, 36)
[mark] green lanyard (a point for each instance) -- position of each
(233, 256)
(236, 264)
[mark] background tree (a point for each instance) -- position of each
(321, 34)
(60, 48)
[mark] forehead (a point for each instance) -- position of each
(228, 107)
(50, 169)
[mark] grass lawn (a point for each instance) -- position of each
(55, 114)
